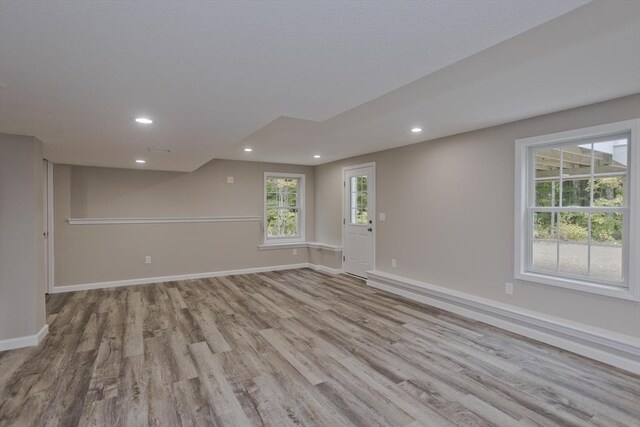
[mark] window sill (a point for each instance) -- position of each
(293, 245)
(578, 285)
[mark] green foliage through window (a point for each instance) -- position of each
(283, 210)
(359, 200)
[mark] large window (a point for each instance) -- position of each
(577, 218)
(284, 202)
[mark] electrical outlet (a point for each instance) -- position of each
(508, 288)
(230, 180)
(295, 252)
(382, 216)
(394, 263)
(147, 260)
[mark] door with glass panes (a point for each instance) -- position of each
(359, 220)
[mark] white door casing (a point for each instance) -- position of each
(359, 219)
(48, 225)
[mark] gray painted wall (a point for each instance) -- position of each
(443, 231)
(22, 276)
(100, 253)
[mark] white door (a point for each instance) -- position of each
(359, 216)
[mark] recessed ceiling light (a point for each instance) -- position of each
(416, 130)
(316, 156)
(248, 150)
(144, 120)
(141, 161)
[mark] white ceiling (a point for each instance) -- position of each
(295, 78)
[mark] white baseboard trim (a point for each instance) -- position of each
(161, 279)
(26, 341)
(324, 246)
(325, 269)
(618, 350)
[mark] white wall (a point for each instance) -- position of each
(450, 215)
(22, 276)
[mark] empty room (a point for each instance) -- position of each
(320, 213)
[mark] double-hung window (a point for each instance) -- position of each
(577, 209)
(284, 207)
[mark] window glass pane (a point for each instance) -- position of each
(353, 187)
(362, 183)
(606, 246)
(576, 160)
(545, 249)
(548, 193)
(573, 258)
(607, 228)
(608, 191)
(271, 199)
(363, 216)
(282, 223)
(611, 156)
(574, 226)
(545, 255)
(545, 225)
(576, 192)
(547, 162)
(358, 200)
(362, 200)
(282, 208)
(292, 194)
(573, 250)
(606, 262)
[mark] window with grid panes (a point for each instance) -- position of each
(283, 207)
(577, 215)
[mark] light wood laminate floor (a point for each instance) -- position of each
(294, 348)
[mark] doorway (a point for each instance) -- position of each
(359, 219)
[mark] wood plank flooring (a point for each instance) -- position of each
(294, 348)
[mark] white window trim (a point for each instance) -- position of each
(632, 239)
(301, 203)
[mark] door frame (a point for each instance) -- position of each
(373, 206)
(50, 260)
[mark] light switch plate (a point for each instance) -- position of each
(383, 216)
(230, 180)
